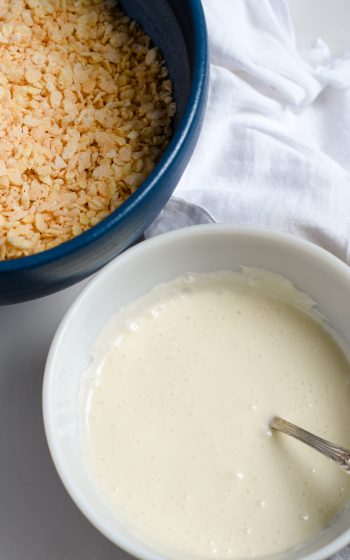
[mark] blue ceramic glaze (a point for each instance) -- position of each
(178, 28)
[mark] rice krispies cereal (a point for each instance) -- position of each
(86, 109)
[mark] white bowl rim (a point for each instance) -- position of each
(292, 240)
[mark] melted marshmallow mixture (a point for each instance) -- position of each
(175, 410)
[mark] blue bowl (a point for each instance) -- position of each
(178, 28)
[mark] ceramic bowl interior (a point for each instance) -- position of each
(196, 249)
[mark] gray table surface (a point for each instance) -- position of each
(38, 520)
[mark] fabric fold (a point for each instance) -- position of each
(274, 148)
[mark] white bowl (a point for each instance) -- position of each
(197, 249)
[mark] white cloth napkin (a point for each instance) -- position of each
(275, 146)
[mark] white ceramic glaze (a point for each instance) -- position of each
(196, 249)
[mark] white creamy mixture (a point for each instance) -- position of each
(175, 410)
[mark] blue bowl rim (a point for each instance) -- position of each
(177, 144)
